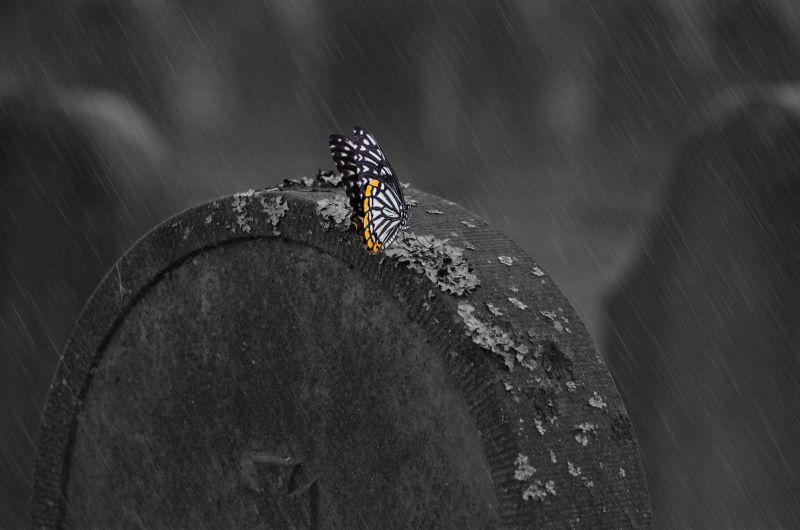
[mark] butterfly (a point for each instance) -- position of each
(377, 206)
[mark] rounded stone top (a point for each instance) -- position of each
(247, 363)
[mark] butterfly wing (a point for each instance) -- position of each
(372, 161)
(344, 152)
(376, 196)
(381, 213)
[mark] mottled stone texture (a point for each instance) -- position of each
(254, 349)
(248, 364)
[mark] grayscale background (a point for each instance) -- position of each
(602, 136)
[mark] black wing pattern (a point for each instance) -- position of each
(373, 161)
(378, 208)
(344, 152)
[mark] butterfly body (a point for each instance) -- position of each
(378, 209)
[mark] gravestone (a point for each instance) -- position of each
(247, 363)
(703, 329)
(122, 46)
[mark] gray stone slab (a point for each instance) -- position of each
(247, 363)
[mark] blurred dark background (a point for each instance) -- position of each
(644, 152)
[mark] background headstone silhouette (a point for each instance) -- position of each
(703, 330)
(79, 174)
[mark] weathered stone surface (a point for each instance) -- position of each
(248, 364)
(703, 329)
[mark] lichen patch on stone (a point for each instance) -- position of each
(443, 264)
(523, 469)
(553, 317)
(334, 210)
(329, 177)
(539, 426)
(525, 361)
(516, 303)
(239, 206)
(586, 427)
(537, 271)
(324, 179)
(275, 208)
(493, 309)
(596, 401)
(550, 486)
(506, 260)
(488, 336)
(522, 349)
(537, 491)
